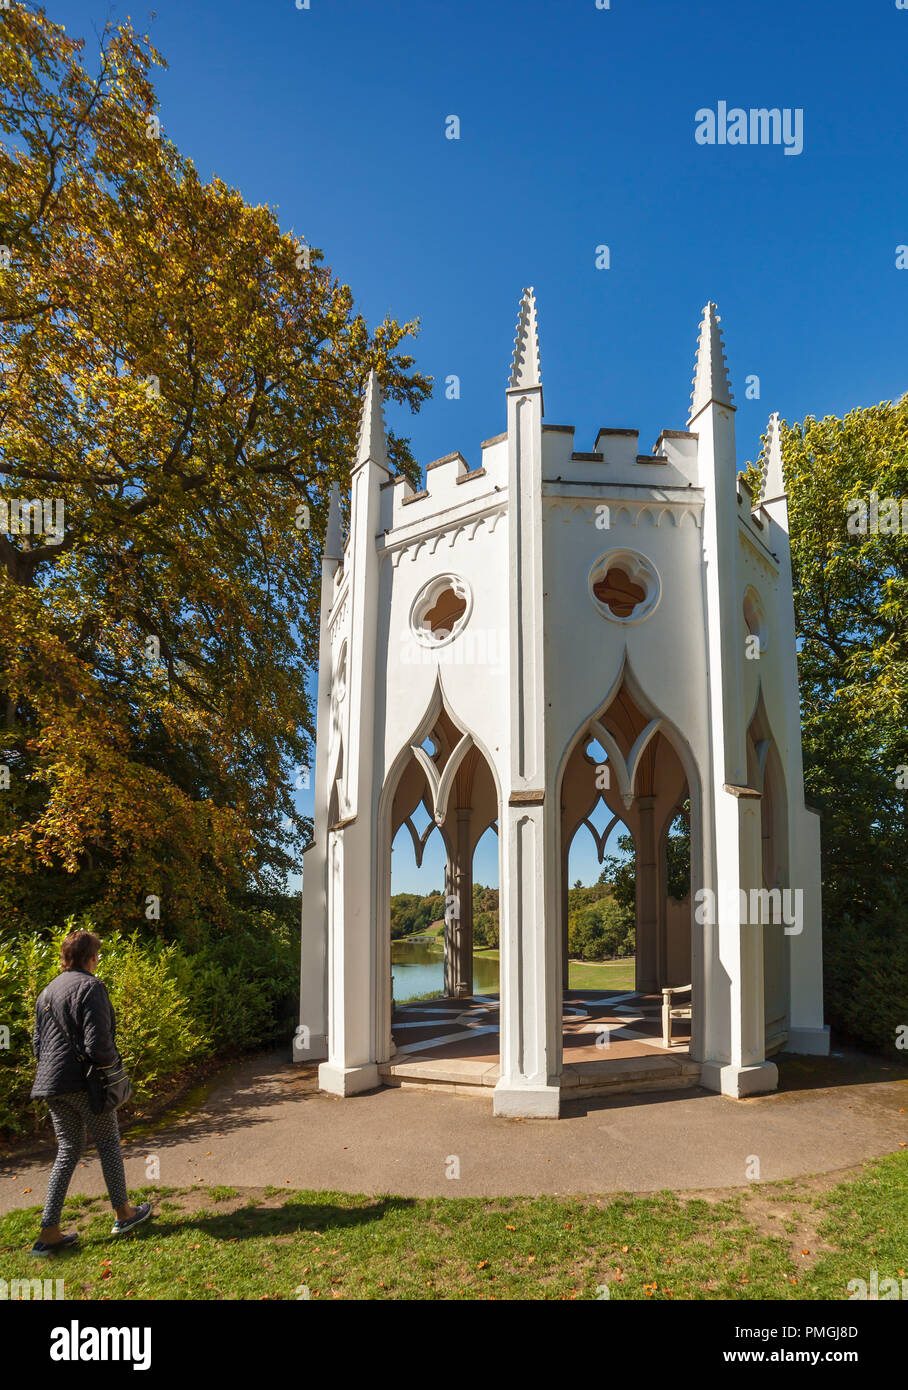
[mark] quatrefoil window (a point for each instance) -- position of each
(441, 610)
(624, 586)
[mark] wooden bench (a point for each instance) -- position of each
(671, 1010)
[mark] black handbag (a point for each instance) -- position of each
(108, 1087)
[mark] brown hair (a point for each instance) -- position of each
(78, 949)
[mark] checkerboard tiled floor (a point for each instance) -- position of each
(597, 1027)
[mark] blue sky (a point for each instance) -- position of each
(577, 130)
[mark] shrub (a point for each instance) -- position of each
(155, 1031)
(865, 970)
(244, 988)
(25, 968)
(158, 1033)
(599, 931)
(485, 929)
(173, 1009)
(413, 912)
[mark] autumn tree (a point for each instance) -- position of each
(178, 386)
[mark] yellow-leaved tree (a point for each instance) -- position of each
(178, 386)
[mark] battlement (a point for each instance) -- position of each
(455, 492)
(454, 489)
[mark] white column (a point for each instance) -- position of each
(530, 947)
(733, 1029)
(736, 1063)
(352, 1064)
(310, 1043)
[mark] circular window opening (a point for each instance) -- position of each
(339, 683)
(624, 586)
(441, 610)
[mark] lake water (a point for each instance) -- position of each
(418, 968)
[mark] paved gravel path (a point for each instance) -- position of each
(263, 1122)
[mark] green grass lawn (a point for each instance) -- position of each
(803, 1239)
(617, 974)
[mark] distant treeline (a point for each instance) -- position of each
(599, 926)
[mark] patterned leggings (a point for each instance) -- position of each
(71, 1113)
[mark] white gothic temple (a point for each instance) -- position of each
(517, 640)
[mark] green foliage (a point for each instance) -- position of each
(157, 1033)
(186, 382)
(851, 606)
(620, 874)
(485, 917)
(865, 976)
(173, 1008)
(245, 986)
(677, 855)
(598, 929)
(411, 912)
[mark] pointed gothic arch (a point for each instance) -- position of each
(766, 775)
(652, 772)
(459, 786)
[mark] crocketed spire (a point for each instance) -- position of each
(711, 374)
(525, 365)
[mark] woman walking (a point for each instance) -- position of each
(74, 1015)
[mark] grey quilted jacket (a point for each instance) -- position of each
(81, 1002)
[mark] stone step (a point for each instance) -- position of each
(461, 1071)
(477, 1076)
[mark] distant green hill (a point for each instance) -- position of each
(600, 927)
